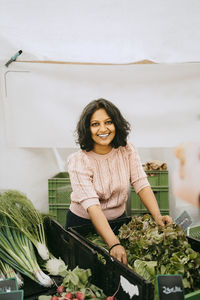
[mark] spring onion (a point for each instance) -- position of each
(7, 272)
(17, 251)
(20, 210)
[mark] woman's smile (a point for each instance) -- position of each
(103, 135)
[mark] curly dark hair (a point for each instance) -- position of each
(122, 127)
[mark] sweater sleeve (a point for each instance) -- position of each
(81, 178)
(138, 177)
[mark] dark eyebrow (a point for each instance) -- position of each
(98, 120)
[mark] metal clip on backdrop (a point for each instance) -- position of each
(13, 58)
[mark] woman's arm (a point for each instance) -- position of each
(149, 200)
(103, 228)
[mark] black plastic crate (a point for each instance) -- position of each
(58, 245)
(109, 270)
(73, 253)
(146, 288)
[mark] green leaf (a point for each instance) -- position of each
(162, 269)
(141, 268)
(186, 283)
(74, 278)
(66, 280)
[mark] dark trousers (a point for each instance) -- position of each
(74, 220)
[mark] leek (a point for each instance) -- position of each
(20, 210)
(17, 251)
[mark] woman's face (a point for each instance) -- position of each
(102, 131)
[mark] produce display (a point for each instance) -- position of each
(153, 250)
(21, 234)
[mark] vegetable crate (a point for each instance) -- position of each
(162, 197)
(78, 234)
(157, 178)
(110, 271)
(75, 252)
(58, 245)
(59, 190)
(194, 232)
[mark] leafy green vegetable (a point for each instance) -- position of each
(153, 250)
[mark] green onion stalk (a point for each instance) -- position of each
(17, 251)
(20, 210)
(7, 272)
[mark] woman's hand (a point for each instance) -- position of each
(103, 228)
(162, 220)
(119, 253)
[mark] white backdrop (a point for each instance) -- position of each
(42, 102)
(101, 30)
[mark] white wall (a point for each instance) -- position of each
(42, 102)
(101, 30)
(167, 109)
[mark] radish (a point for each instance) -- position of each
(80, 296)
(110, 298)
(69, 296)
(54, 298)
(60, 289)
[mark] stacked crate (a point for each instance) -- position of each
(158, 180)
(59, 190)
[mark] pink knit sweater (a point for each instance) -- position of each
(104, 180)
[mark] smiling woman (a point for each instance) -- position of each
(102, 171)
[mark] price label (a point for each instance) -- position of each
(8, 285)
(13, 295)
(184, 220)
(170, 287)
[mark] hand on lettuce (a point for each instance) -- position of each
(162, 220)
(119, 253)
